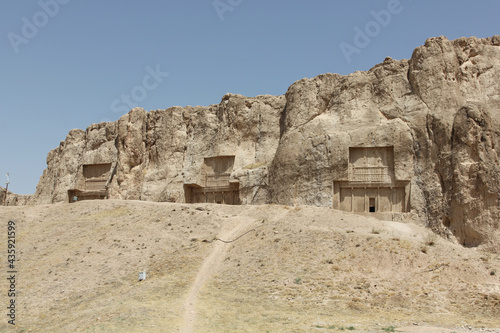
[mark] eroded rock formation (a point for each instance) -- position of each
(440, 112)
(153, 154)
(12, 199)
(437, 113)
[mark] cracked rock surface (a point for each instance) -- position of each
(439, 111)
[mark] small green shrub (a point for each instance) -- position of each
(389, 329)
(298, 280)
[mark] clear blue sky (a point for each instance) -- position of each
(69, 65)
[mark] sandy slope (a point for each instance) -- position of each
(301, 269)
(209, 266)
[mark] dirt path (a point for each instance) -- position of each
(209, 266)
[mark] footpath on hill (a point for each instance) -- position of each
(294, 269)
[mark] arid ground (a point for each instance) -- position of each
(218, 268)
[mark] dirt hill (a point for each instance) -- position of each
(220, 268)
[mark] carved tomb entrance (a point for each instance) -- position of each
(215, 186)
(371, 186)
(92, 184)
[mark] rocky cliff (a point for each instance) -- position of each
(13, 199)
(153, 154)
(438, 112)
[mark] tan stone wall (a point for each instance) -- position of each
(439, 111)
(385, 199)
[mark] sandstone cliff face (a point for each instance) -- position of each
(439, 111)
(153, 154)
(13, 199)
(472, 189)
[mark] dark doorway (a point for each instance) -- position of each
(372, 205)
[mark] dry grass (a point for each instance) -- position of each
(254, 165)
(303, 270)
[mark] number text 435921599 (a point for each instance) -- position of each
(11, 272)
